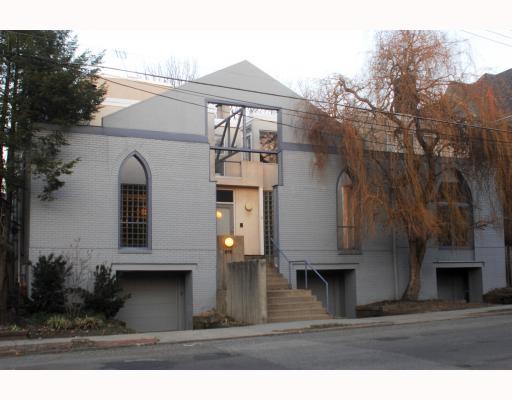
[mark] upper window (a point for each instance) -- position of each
(455, 211)
(268, 141)
(134, 204)
(347, 231)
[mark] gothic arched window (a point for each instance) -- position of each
(134, 196)
(455, 210)
(347, 230)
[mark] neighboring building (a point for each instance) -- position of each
(160, 179)
(125, 92)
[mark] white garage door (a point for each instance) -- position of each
(156, 302)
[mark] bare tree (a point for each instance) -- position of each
(415, 140)
(173, 71)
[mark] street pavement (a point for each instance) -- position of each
(476, 340)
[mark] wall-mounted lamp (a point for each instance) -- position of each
(218, 214)
(248, 206)
(229, 242)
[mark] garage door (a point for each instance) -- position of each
(453, 284)
(340, 303)
(156, 302)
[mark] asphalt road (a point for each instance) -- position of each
(473, 343)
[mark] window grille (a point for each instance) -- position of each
(348, 238)
(456, 230)
(268, 230)
(134, 215)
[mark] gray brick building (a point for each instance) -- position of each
(166, 254)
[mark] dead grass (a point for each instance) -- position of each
(499, 296)
(398, 307)
(213, 319)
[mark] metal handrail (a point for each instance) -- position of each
(307, 265)
(279, 251)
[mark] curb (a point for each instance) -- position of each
(84, 343)
(74, 344)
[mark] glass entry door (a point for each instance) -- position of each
(224, 214)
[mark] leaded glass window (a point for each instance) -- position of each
(134, 204)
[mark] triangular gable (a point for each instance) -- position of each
(183, 109)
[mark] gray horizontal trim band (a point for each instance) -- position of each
(153, 267)
(136, 133)
(306, 147)
(330, 267)
(459, 264)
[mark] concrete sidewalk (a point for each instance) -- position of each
(30, 346)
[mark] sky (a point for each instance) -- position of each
(291, 40)
(291, 56)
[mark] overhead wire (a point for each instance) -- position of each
(319, 101)
(371, 123)
(389, 129)
(499, 34)
(487, 38)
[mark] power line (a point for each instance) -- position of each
(206, 107)
(284, 96)
(388, 129)
(309, 99)
(487, 38)
(499, 34)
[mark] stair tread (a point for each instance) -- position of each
(299, 310)
(296, 306)
(308, 318)
(286, 304)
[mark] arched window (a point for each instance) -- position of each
(455, 211)
(134, 196)
(347, 230)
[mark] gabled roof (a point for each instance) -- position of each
(247, 76)
(182, 109)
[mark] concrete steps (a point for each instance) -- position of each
(295, 305)
(285, 304)
(292, 318)
(275, 293)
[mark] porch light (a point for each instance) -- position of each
(218, 214)
(229, 242)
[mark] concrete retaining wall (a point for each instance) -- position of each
(246, 291)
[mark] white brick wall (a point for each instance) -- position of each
(307, 228)
(86, 208)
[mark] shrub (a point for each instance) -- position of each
(499, 296)
(39, 318)
(48, 291)
(106, 297)
(88, 322)
(59, 322)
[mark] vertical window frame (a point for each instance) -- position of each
(227, 204)
(149, 194)
(467, 205)
(340, 228)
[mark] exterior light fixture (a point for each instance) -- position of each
(218, 214)
(248, 206)
(229, 242)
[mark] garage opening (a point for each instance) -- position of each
(158, 300)
(342, 293)
(459, 284)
